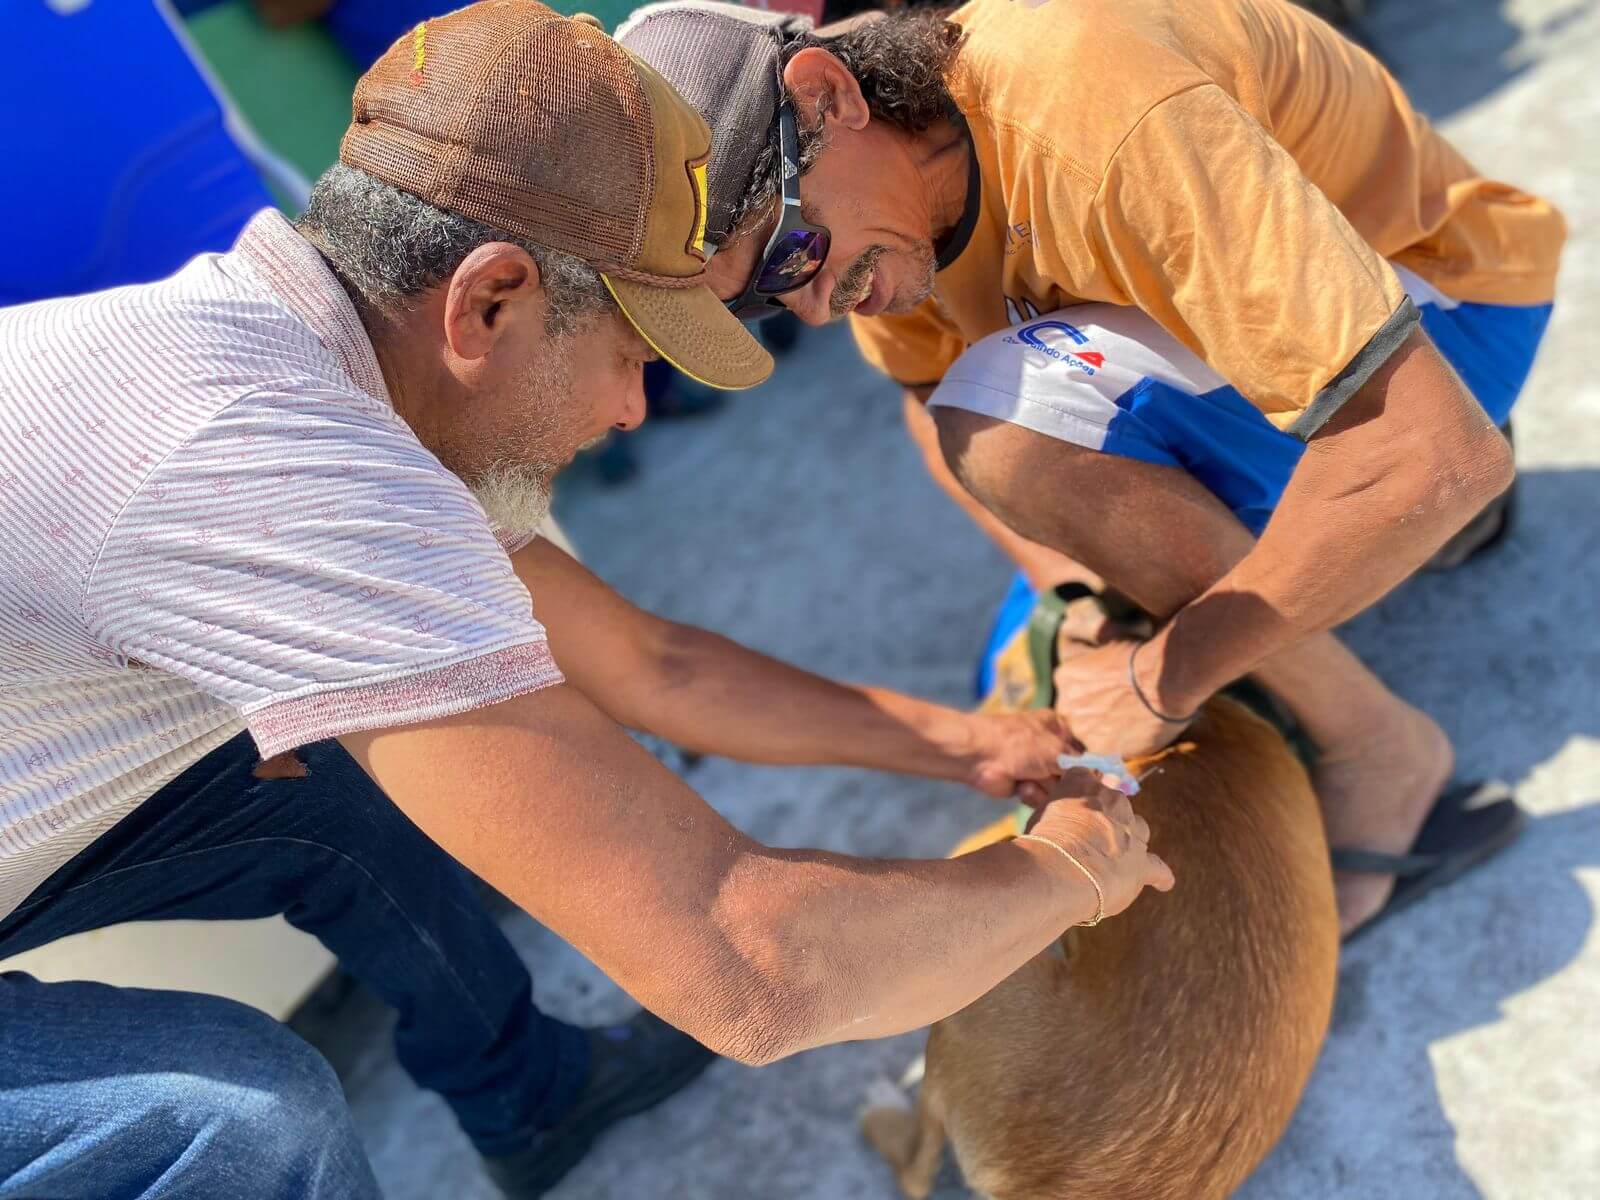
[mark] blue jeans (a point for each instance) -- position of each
(114, 1093)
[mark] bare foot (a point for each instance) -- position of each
(1376, 791)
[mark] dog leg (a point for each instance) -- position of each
(892, 1132)
(911, 1141)
(927, 1152)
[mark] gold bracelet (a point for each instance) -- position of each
(1099, 896)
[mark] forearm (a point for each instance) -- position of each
(709, 694)
(872, 948)
(1410, 459)
(706, 693)
(757, 952)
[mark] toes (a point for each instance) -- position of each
(1360, 898)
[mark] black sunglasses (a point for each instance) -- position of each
(796, 250)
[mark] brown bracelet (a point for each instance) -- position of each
(1133, 678)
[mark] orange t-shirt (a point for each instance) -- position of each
(1234, 168)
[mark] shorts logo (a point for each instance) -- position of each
(1032, 336)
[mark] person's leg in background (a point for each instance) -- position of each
(1161, 538)
(1043, 567)
(314, 839)
(1171, 493)
(123, 1093)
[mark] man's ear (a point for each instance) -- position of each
(824, 89)
(496, 288)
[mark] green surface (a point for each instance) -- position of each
(610, 12)
(292, 85)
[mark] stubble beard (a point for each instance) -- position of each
(516, 488)
(925, 266)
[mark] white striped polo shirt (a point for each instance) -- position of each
(211, 519)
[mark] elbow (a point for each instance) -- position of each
(758, 1023)
(758, 1032)
(755, 1023)
(1497, 465)
(1479, 470)
(674, 654)
(1461, 475)
(769, 996)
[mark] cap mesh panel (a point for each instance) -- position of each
(726, 66)
(503, 126)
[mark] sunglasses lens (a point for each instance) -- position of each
(793, 262)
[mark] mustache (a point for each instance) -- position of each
(856, 282)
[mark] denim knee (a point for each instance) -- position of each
(272, 1123)
(128, 1094)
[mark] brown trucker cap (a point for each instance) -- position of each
(543, 128)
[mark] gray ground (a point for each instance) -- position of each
(1464, 1059)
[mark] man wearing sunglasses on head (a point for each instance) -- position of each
(1183, 295)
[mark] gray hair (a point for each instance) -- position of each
(901, 61)
(388, 247)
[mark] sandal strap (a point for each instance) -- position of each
(1457, 798)
(1373, 862)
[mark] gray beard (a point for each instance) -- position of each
(515, 497)
(515, 491)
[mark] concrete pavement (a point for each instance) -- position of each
(1465, 1055)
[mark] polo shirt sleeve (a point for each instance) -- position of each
(1207, 224)
(303, 559)
(914, 349)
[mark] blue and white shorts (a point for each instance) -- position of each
(1109, 378)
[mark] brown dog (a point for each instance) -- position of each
(1160, 1055)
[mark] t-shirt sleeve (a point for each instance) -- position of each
(914, 349)
(303, 559)
(1207, 224)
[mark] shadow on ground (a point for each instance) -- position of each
(1449, 54)
(1447, 968)
(1504, 652)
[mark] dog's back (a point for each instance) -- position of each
(1159, 1056)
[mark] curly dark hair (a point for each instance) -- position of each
(900, 60)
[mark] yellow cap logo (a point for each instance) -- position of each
(419, 51)
(697, 176)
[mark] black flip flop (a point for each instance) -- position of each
(1469, 823)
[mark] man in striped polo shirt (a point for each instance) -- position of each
(279, 507)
